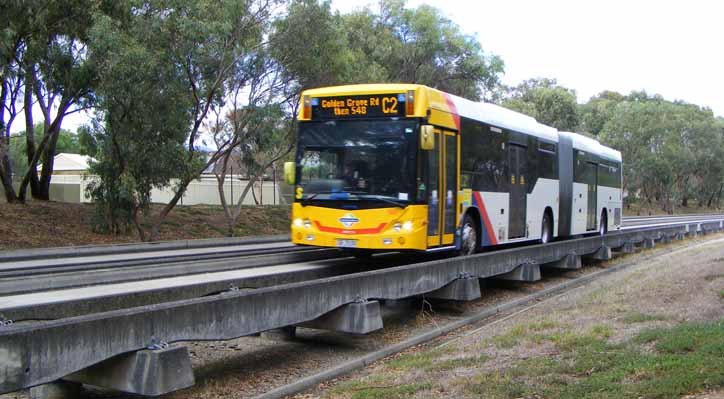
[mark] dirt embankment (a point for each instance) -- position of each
(54, 224)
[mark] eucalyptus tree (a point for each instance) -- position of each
(672, 151)
(57, 75)
(306, 47)
(420, 45)
(12, 36)
(163, 69)
(546, 101)
(598, 110)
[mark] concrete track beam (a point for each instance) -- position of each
(148, 372)
(526, 272)
(361, 317)
(568, 262)
(463, 289)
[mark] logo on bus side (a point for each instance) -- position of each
(349, 220)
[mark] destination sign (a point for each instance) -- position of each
(366, 106)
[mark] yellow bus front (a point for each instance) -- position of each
(359, 180)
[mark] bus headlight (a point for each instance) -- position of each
(397, 227)
(297, 222)
(407, 226)
(307, 223)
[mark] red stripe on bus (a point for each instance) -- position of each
(453, 111)
(326, 229)
(486, 220)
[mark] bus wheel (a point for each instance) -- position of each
(546, 234)
(468, 236)
(604, 223)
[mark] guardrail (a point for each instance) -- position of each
(44, 352)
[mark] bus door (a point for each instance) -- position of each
(518, 169)
(592, 183)
(442, 165)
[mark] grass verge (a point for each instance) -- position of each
(655, 363)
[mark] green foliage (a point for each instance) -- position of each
(68, 142)
(140, 141)
(598, 110)
(419, 46)
(547, 102)
(164, 65)
(672, 151)
(311, 44)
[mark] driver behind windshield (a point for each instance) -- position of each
(352, 178)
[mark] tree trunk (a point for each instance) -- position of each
(6, 174)
(46, 173)
(220, 181)
(30, 137)
(253, 193)
(156, 226)
(6, 169)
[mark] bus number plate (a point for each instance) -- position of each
(346, 243)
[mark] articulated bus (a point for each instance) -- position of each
(406, 167)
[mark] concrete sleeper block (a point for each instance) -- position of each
(147, 372)
(462, 289)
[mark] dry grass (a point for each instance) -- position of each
(53, 224)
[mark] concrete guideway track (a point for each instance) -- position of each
(44, 352)
(61, 260)
(71, 279)
(14, 264)
(57, 304)
(119, 249)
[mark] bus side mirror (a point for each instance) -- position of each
(427, 138)
(289, 173)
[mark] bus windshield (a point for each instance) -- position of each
(370, 160)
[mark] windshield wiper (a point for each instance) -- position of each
(305, 201)
(398, 204)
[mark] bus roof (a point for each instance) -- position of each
(480, 111)
(503, 117)
(584, 143)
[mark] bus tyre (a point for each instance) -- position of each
(468, 236)
(546, 232)
(604, 223)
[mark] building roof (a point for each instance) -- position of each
(65, 161)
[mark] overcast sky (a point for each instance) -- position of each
(673, 48)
